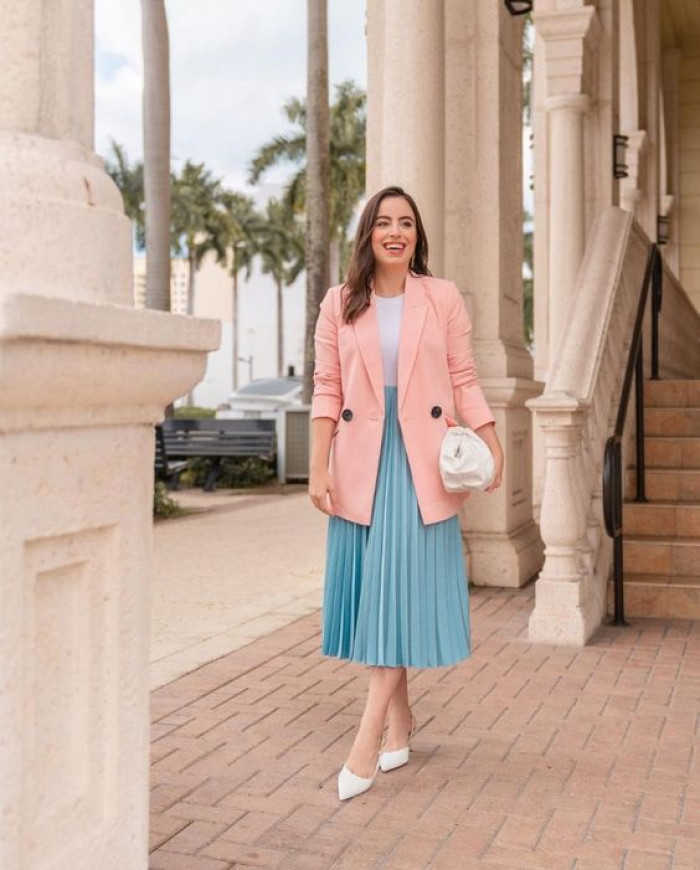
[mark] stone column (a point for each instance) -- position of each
(630, 190)
(406, 108)
(567, 231)
(83, 378)
(483, 255)
(562, 88)
(567, 35)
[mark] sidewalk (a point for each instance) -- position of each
(238, 568)
(525, 757)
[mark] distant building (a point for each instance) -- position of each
(257, 337)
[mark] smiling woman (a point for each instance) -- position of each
(393, 365)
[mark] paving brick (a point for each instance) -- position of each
(164, 860)
(526, 756)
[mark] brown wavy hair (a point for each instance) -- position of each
(358, 285)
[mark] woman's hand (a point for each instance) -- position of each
(488, 434)
(499, 460)
(322, 490)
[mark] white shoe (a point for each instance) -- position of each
(397, 757)
(350, 784)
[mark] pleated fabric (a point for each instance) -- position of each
(395, 592)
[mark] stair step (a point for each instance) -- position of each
(672, 451)
(676, 393)
(672, 421)
(666, 484)
(659, 596)
(677, 557)
(661, 519)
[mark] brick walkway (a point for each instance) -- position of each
(526, 756)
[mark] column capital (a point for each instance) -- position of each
(569, 36)
(568, 102)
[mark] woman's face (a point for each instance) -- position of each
(394, 234)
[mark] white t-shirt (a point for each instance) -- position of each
(389, 314)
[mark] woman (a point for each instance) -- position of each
(393, 362)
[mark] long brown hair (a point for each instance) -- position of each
(357, 286)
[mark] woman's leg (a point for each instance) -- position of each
(398, 715)
(383, 682)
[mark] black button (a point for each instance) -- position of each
(436, 411)
(347, 414)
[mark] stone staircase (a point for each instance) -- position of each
(662, 538)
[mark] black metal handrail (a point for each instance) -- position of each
(612, 459)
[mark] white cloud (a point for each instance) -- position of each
(233, 65)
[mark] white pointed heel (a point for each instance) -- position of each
(397, 757)
(350, 784)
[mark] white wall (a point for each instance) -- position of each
(257, 333)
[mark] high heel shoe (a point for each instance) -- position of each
(397, 757)
(350, 784)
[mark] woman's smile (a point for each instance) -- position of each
(394, 235)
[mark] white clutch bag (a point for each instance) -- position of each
(466, 463)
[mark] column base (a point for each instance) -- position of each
(81, 386)
(508, 559)
(562, 615)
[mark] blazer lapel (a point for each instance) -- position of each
(367, 336)
(415, 310)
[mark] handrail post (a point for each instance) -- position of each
(639, 421)
(619, 600)
(657, 277)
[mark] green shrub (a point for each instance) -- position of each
(163, 504)
(193, 411)
(233, 473)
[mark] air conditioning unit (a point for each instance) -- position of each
(293, 443)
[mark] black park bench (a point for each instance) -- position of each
(219, 439)
(165, 469)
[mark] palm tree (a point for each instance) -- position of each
(317, 177)
(347, 164)
(156, 149)
(196, 224)
(238, 227)
(281, 249)
(129, 180)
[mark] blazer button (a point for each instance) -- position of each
(436, 411)
(347, 414)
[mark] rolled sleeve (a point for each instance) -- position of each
(470, 401)
(327, 395)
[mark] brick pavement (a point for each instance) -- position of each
(526, 756)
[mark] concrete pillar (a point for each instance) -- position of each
(567, 233)
(406, 73)
(568, 36)
(570, 157)
(483, 255)
(83, 378)
(630, 191)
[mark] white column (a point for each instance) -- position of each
(483, 255)
(81, 384)
(567, 228)
(564, 72)
(406, 109)
(630, 192)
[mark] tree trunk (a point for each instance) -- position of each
(334, 261)
(156, 152)
(317, 178)
(234, 327)
(280, 330)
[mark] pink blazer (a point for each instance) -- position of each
(436, 378)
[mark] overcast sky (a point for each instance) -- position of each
(233, 64)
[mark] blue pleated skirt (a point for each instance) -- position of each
(395, 592)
